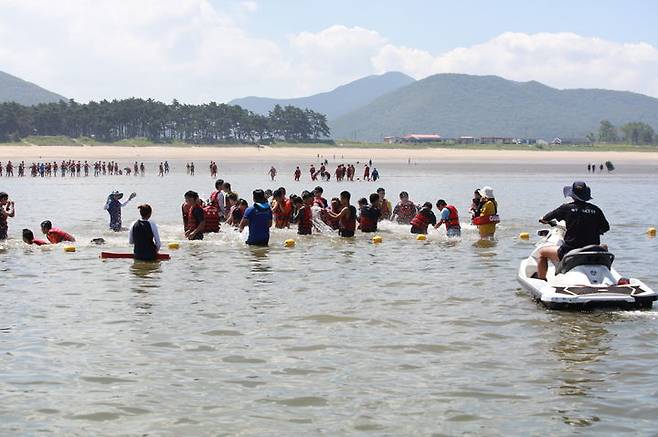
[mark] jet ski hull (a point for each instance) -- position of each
(635, 295)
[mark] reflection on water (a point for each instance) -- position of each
(339, 335)
(581, 340)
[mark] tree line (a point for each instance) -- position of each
(637, 132)
(116, 120)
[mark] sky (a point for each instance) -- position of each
(199, 51)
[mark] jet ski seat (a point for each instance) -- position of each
(592, 255)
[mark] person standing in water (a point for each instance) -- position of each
(423, 219)
(488, 218)
(144, 236)
(272, 172)
(449, 216)
(386, 207)
(7, 210)
(259, 220)
(194, 219)
(346, 217)
(113, 207)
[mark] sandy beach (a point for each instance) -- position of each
(290, 154)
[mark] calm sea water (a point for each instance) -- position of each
(329, 337)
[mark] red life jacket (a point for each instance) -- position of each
(487, 219)
(420, 221)
(213, 198)
(210, 217)
(453, 218)
(305, 222)
(56, 235)
(282, 214)
(367, 224)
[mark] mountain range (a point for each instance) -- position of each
(13, 89)
(453, 105)
(337, 102)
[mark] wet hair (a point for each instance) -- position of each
(227, 185)
(233, 197)
(145, 210)
(307, 195)
(191, 195)
(318, 189)
(374, 197)
(28, 235)
(404, 194)
(441, 202)
(427, 205)
(219, 183)
(363, 201)
(277, 193)
(345, 194)
(243, 202)
(46, 224)
(297, 200)
(268, 192)
(283, 190)
(259, 196)
(380, 189)
(4, 195)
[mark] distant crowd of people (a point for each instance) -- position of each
(74, 168)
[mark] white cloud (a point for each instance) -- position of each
(564, 60)
(193, 51)
(249, 6)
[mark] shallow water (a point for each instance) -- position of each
(330, 336)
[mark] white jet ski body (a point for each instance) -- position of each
(584, 279)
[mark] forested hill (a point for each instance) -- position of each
(13, 89)
(453, 105)
(337, 102)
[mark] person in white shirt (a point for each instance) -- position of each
(145, 236)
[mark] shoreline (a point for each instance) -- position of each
(291, 154)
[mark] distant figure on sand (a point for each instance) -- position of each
(272, 172)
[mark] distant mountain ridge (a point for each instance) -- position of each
(337, 102)
(13, 89)
(457, 104)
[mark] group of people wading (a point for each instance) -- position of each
(309, 211)
(277, 209)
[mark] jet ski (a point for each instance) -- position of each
(583, 280)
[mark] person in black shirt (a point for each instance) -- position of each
(585, 225)
(145, 236)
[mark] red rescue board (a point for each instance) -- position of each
(115, 255)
